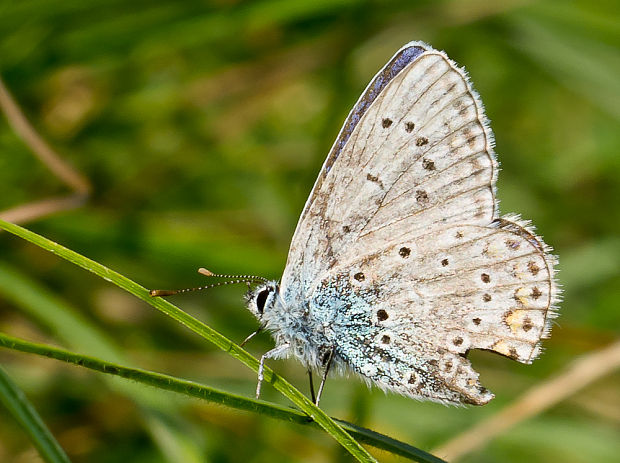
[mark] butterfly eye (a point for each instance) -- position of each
(261, 299)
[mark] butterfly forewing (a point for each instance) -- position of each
(419, 155)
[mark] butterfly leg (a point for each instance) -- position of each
(245, 341)
(311, 386)
(273, 353)
(328, 364)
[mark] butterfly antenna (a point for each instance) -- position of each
(209, 273)
(236, 279)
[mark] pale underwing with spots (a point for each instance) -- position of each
(400, 263)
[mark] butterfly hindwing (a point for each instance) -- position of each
(406, 315)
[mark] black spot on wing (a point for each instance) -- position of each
(381, 80)
(427, 164)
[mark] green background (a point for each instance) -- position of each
(202, 126)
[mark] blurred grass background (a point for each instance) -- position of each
(202, 126)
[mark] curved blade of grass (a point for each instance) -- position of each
(159, 416)
(193, 389)
(20, 407)
(208, 333)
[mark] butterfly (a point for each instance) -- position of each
(400, 263)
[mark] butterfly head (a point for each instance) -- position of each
(262, 299)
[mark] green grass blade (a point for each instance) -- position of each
(193, 389)
(381, 441)
(69, 326)
(208, 333)
(20, 407)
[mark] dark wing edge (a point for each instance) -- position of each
(401, 59)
